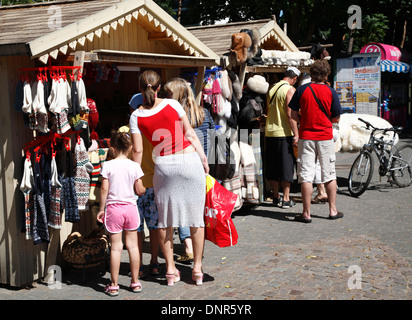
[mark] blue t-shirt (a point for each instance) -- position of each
(204, 130)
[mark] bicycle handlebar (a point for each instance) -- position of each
(368, 124)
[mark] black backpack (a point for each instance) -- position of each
(217, 169)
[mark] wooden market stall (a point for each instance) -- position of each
(273, 41)
(110, 42)
(269, 53)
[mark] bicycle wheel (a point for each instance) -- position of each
(401, 166)
(360, 174)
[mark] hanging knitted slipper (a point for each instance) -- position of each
(111, 290)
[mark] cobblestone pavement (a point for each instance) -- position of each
(364, 256)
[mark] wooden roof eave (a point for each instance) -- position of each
(272, 29)
(76, 32)
(72, 32)
(139, 58)
(184, 34)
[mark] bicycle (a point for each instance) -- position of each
(393, 161)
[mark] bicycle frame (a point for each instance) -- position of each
(384, 150)
(390, 160)
(380, 148)
(404, 162)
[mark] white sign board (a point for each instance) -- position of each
(363, 71)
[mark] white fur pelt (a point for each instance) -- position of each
(353, 134)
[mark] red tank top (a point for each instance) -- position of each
(161, 126)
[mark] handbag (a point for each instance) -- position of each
(235, 185)
(222, 170)
(219, 204)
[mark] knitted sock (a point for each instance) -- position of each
(70, 200)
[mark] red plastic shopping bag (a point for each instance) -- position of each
(218, 210)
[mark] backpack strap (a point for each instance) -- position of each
(271, 99)
(319, 103)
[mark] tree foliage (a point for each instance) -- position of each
(13, 2)
(308, 21)
(312, 21)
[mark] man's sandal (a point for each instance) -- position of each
(317, 199)
(338, 215)
(111, 290)
(300, 218)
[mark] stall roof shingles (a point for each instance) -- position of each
(39, 19)
(25, 29)
(218, 37)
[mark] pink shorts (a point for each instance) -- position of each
(121, 216)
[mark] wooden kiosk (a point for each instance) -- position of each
(133, 35)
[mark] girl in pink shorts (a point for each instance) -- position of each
(121, 180)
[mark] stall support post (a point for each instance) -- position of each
(199, 83)
(79, 61)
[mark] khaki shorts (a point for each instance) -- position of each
(309, 152)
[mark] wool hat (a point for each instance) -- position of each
(258, 84)
(136, 101)
(294, 70)
(241, 42)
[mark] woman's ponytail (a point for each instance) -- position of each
(149, 82)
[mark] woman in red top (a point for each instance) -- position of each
(179, 179)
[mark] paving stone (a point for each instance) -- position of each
(279, 259)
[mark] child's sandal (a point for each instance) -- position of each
(136, 286)
(111, 290)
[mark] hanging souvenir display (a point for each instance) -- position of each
(51, 102)
(57, 167)
(233, 109)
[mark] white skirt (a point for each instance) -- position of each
(179, 183)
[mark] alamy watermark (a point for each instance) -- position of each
(355, 280)
(54, 277)
(219, 152)
(355, 20)
(55, 20)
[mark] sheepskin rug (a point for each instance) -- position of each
(353, 134)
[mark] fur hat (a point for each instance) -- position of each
(241, 42)
(254, 35)
(258, 84)
(236, 86)
(318, 52)
(224, 85)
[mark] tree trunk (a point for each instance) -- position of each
(404, 34)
